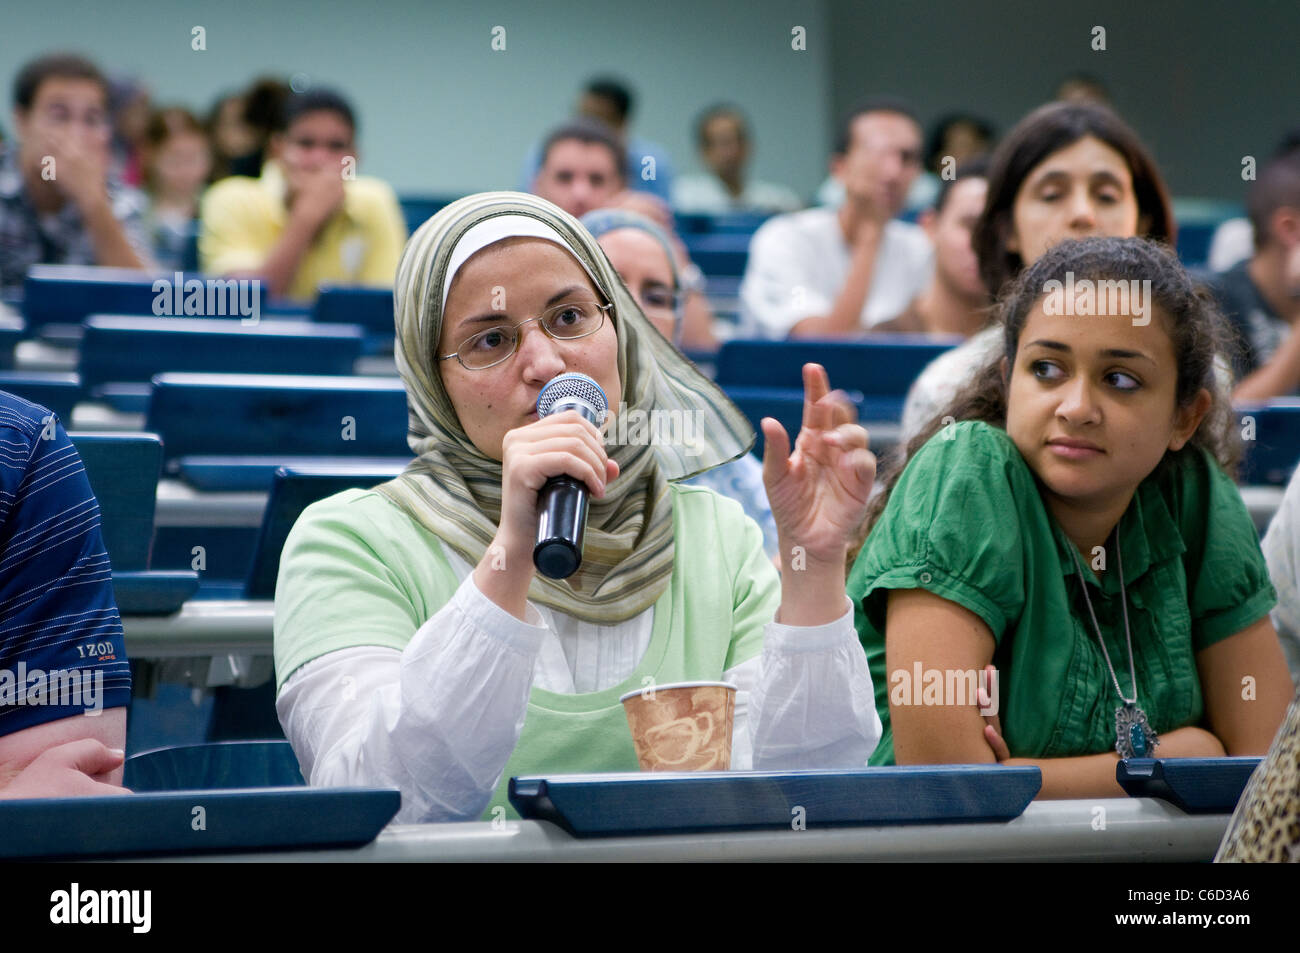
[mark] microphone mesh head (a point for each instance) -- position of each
(568, 388)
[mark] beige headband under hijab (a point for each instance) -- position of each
(454, 490)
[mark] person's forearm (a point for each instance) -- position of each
(438, 721)
(504, 574)
(281, 265)
(112, 249)
(1278, 377)
(845, 316)
(812, 590)
(1087, 776)
(813, 704)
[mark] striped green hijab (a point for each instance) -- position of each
(454, 490)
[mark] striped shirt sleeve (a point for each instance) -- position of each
(62, 650)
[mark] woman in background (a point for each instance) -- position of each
(643, 257)
(178, 161)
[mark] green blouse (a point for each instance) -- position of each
(967, 522)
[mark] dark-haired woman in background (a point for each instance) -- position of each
(1067, 170)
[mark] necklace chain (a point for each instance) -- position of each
(1128, 636)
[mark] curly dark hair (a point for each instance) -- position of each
(1187, 312)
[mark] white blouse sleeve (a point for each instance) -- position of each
(438, 720)
(812, 704)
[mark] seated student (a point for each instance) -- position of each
(581, 167)
(722, 136)
(64, 677)
(643, 257)
(954, 140)
(1067, 170)
(1261, 296)
(580, 173)
(1078, 529)
(837, 272)
(309, 218)
(177, 161)
(956, 301)
(59, 203)
(644, 166)
(463, 666)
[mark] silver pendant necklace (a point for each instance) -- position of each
(1134, 736)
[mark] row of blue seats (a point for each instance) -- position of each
(124, 469)
(260, 415)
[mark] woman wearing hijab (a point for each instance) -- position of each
(415, 645)
(642, 254)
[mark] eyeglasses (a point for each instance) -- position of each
(564, 322)
(658, 298)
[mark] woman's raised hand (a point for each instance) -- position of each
(819, 492)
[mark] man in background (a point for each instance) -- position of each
(647, 166)
(1261, 296)
(581, 169)
(309, 218)
(722, 135)
(827, 272)
(59, 203)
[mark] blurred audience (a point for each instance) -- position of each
(177, 162)
(242, 126)
(647, 166)
(1067, 170)
(308, 218)
(231, 137)
(1261, 296)
(956, 301)
(724, 142)
(644, 257)
(581, 168)
(839, 272)
(954, 140)
(130, 107)
(1234, 239)
(1083, 88)
(59, 201)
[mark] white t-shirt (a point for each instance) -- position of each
(799, 262)
(706, 195)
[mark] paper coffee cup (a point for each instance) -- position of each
(683, 726)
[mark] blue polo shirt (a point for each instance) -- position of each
(62, 651)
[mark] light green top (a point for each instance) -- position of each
(967, 522)
(357, 571)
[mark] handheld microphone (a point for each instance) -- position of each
(562, 500)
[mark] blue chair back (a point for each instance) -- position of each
(721, 253)
(1271, 437)
(134, 349)
(295, 489)
(68, 294)
(123, 471)
(726, 222)
(372, 308)
(58, 391)
(270, 415)
(214, 766)
(417, 209)
(877, 368)
(11, 332)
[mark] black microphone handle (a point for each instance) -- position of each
(561, 525)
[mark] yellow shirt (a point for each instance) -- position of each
(243, 219)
